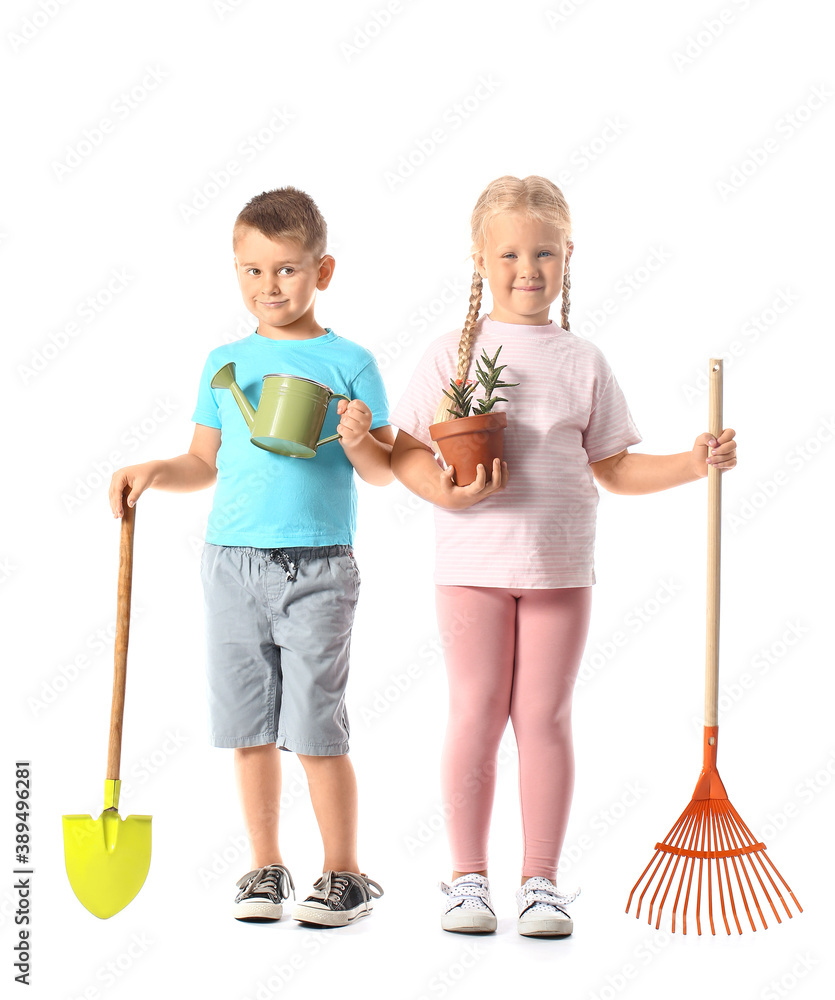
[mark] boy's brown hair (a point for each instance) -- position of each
(288, 214)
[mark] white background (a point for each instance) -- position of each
(652, 117)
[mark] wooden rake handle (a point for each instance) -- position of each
(117, 709)
(714, 539)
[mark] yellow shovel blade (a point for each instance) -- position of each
(107, 858)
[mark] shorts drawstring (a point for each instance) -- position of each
(289, 567)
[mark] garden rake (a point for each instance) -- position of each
(710, 840)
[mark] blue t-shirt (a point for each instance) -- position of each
(274, 501)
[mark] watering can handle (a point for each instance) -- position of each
(714, 539)
(333, 437)
(114, 747)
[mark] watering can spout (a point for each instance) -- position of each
(225, 379)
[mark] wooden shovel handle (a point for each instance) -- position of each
(117, 709)
(714, 539)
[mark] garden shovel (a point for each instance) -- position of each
(108, 858)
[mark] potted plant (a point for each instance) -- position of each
(468, 439)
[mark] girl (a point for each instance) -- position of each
(514, 550)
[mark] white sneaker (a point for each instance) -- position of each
(542, 909)
(467, 908)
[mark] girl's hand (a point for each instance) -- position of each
(355, 422)
(137, 477)
(720, 453)
(460, 497)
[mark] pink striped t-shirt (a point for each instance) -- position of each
(568, 411)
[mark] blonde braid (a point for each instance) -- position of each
(465, 344)
(566, 298)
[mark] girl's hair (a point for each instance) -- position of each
(535, 197)
(286, 214)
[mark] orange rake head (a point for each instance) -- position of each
(707, 836)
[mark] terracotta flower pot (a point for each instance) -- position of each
(470, 441)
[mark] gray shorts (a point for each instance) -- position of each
(278, 631)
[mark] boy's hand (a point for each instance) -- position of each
(720, 453)
(137, 477)
(460, 497)
(355, 422)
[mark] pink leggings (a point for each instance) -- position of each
(510, 654)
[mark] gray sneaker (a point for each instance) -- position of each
(338, 898)
(261, 894)
(467, 907)
(542, 909)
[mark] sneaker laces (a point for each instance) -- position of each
(331, 886)
(468, 893)
(543, 895)
(271, 880)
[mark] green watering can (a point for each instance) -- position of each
(290, 414)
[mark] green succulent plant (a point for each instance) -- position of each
(488, 375)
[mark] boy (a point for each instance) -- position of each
(278, 570)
